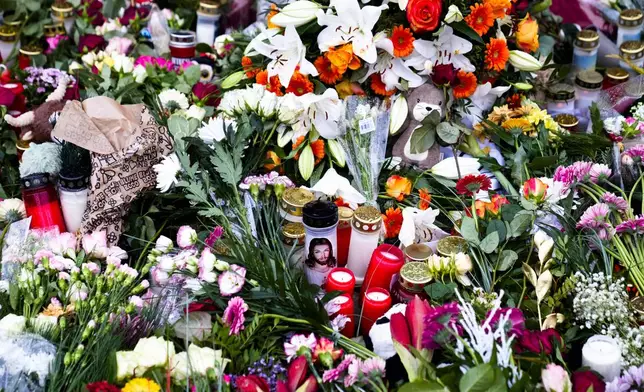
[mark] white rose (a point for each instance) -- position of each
(127, 363)
(140, 74)
(197, 112)
(195, 325)
(204, 358)
(180, 367)
(166, 263)
(12, 324)
(89, 58)
(220, 43)
(463, 263)
(154, 351)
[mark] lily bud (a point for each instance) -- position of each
(523, 86)
(306, 162)
(296, 14)
(337, 152)
(453, 14)
(399, 113)
(524, 62)
(233, 79)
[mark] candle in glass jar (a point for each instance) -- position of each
(365, 233)
(341, 279)
(629, 26)
(292, 203)
(588, 85)
(602, 354)
(345, 302)
(561, 99)
(615, 76)
(375, 303)
(41, 202)
(386, 262)
(63, 12)
(344, 234)
(417, 252)
(73, 204)
(207, 21)
(320, 221)
(8, 40)
(183, 46)
(585, 50)
(633, 51)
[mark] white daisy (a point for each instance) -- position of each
(167, 172)
(173, 99)
(12, 210)
(215, 129)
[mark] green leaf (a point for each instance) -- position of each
(211, 212)
(490, 242)
(520, 224)
(192, 75)
(468, 230)
(518, 160)
(432, 119)
(422, 386)
(466, 30)
(509, 211)
(179, 126)
(411, 363)
(478, 379)
(507, 260)
(447, 132)
(540, 163)
(422, 139)
(439, 291)
(228, 167)
(498, 226)
(14, 295)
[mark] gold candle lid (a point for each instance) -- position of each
(632, 50)
(367, 219)
(414, 276)
(630, 18)
(566, 120)
(8, 33)
(293, 199)
(209, 7)
(561, 92)
(345, 213)
(62, 10)
(31, 50)
(451, 245)
(589, 79)
(587, 39)
(617, 74)
(54, 29)
(293, 232)
(22, 144)
(14, 23)
(417, 252)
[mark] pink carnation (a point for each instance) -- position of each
(231, 281)
(234, 315)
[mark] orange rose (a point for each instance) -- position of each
(398, 187)
(424, 15)
(527, 34)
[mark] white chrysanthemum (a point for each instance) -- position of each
(215, 129)
(167, 172)
(173, 99)
(12, 210)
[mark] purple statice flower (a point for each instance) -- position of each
(631, 380)
(515, 324)
(234, 315)
(615, 202)
(437, 322)
(599, 172)
(334, 374)
(594, 217)
(269, 369)
(631, 226)
(214, 236)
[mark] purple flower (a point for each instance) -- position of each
(599, 172)
(234, 315)
(629, 120)
(515, 324)
(52, 42)
(577, 172)
(436, 334)
(636, 151)
(374, 366)
(215, 235)
(632, 379)
(352, 373)
(632, 226)
(334, 374)
(617, 203)
(594, 217)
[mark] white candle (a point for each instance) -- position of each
(360, 249)
(73, 204)
(341, 276)
(377, 296)
(341, 299)
(602, 354)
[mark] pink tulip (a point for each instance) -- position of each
(415, 313)
(400, 329)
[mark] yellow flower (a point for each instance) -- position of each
(499, 114)
(108, 61)
(550, 124)
(519, 124)
(536, 116)
(527, 34)
(141, 385)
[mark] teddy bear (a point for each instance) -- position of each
(421, 101)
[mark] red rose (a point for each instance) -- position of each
(424, 15)
(587, 381)
(443, 75)
(252, 384)
(539, 341)
(89, 42)
(131, 13)
(206, 93)
(101, 386)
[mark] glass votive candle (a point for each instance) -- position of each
(293, 235)
(585, 52)
(365, 234)
(73, 200)
(567, 121)
(629, 26)
(560, 99)
(375, 303)
(183, 46)
(615, 76)
(292, 202)
(413, 278)
(208, 16)
(26, 55)
(602, 354)
(41, 202)
(8, 41)
(63, 12)
(320, 221)
(633, 51)
(588, 85)
(344, 234)
(53, 29)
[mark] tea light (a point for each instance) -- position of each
(585, 52)
(375, 303)
(602, 354)
(183, 46)
(386, 262)
(588, 85)
(341, 279)
(633, 51)
(346, 309)
(629, 26)
(207, 19)
(561, 99)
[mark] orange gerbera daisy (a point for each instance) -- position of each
(299, 84)
(270, 15)
(392, 219)
(466, 85)
(379, 87)
(298, 142)
(318, 150)
(403, 41)
(273, 84)
(425, 199)
(398, 187)
(343, 57)
(480, 18)
(329, 73)
(272, 160)
(497, 54)
(499, 7)
(247, 64)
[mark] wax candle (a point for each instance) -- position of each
(375, 303)
(344, 234)
(588, 85)
(346, 309)
(568, 122)
(320, 221)
(629, 26)
(183, 45)
(63, 12)
(341, 279)
(615, 76)
(365, 233)
(8, 40)
(561, 99)
(633, 51)
(386, 262)
(585, 52)
(602, 354)
(41, 202)
(293, 234)
(25, 55)
(73, 200)
(207, 21)
(413, 278)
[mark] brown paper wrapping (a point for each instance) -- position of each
(125, 142)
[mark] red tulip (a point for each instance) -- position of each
(415, 313)
(399, 329)
(297, 371)
(310, 385)
(535, 190)
(252, 383)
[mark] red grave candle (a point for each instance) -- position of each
(41, 202)
(346, 309)
(386, 261)
(183, 45)
(341, 279)
(344, 234)
(375, 303)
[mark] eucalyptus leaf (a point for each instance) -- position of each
(497, 226)
(507, 259)
(478, 379)
(422, 139)
(520, 224)
(468, 230)
(490, 243)
(447, 132)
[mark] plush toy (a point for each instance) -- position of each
(420, 103)
(36, 125)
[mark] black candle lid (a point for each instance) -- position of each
(73, 183)
(320, 214)
(37, 180)
(589, 79)
(561, 92)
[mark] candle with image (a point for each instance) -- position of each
(320, 220)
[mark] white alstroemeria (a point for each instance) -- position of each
(447, 49)
(390, 68)
(123, 63)
(215, 129)
(322, 112)
(289, 108)
(252, 96)
(296, 14)
(453, 14)
(350, 24)
(482, 101)
(415, 218)
(287, 52)
(333, 184)
(447, 167)
(195, 111)
(167, 172)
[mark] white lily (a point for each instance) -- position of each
(447, 167)
(350, 24)
(413, 218)
(482, 101)
(296, 14)
(322, 112)
(453, 14)
(399, 113)
(447, 49)
(333, 184)
(287, 52)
